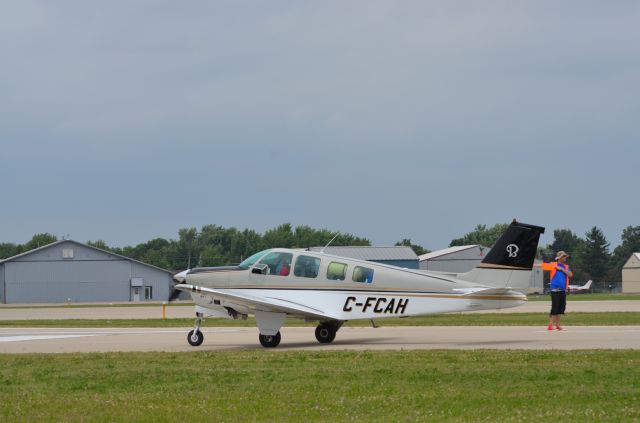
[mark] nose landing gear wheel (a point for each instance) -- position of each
(325, 333)
(195, 338)
(269, 341)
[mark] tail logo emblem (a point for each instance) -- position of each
(512, 250)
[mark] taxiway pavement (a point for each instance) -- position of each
(68, 340)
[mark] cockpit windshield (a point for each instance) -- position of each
(248, 262)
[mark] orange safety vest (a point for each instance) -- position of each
(552, 267)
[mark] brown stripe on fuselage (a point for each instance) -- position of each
(392, 293)
(501, 267)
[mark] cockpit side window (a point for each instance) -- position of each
(250, 261)
(336, 271)
(362, 274)
(307, 267)
(279, 263)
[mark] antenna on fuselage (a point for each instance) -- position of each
(334, 237)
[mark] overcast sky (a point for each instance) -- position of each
(127, 120)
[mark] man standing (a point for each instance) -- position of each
(560, 274)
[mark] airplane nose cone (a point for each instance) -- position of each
(182, 276)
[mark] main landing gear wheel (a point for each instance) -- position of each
(326, 333)
(195, 338)
(269, 341)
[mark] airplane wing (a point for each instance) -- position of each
(271, 304)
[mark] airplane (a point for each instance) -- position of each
(278, 283)
(576, 289)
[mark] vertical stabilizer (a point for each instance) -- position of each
(510, 260)
(516, 248)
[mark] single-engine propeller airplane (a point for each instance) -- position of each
(575, 289)
(315, 286)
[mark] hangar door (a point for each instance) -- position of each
(61, 281)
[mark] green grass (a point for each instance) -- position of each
(322, 386)
(459, 319)
(589, 297)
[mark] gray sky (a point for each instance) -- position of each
(127, 120)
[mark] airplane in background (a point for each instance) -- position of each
(576, 289)
(279, 283)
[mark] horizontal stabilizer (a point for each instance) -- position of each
(491, 291)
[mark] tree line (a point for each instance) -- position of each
(215, 245)
(212, 245)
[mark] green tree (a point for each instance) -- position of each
(187, 241)
(281, 236)
(595, 258)
(40, 240)
(567, 241)
(250, 242)
(212, 255)
(98, 244)
(306, 236)
(348, 239)
(481, 235)
(418, 249)
(9, 249)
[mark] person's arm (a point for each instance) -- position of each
(566, 271)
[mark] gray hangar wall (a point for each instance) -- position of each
(71, 271)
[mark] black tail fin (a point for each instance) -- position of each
(516, 248)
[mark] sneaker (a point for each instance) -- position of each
(558, 328)
(550, 327)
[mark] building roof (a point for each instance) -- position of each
(371, 253)
(44, 247)
(444, 252)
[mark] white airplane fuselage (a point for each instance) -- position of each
(392, 292)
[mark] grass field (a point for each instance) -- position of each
(461, 319)
(323, 386)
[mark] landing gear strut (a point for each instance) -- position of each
(326, 331)
(195, 337)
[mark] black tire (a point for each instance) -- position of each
(325, 333)
(269, 341)
(195, 338)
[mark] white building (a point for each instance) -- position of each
(631, 274)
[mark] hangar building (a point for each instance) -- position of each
(71, 271)
(464, 258)
(631, 274)
(400, 256)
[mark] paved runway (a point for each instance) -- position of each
(35, 340)
(176, 311)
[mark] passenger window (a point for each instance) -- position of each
(336, 271)
(307, 267)
(362, 274)
(279, 263)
